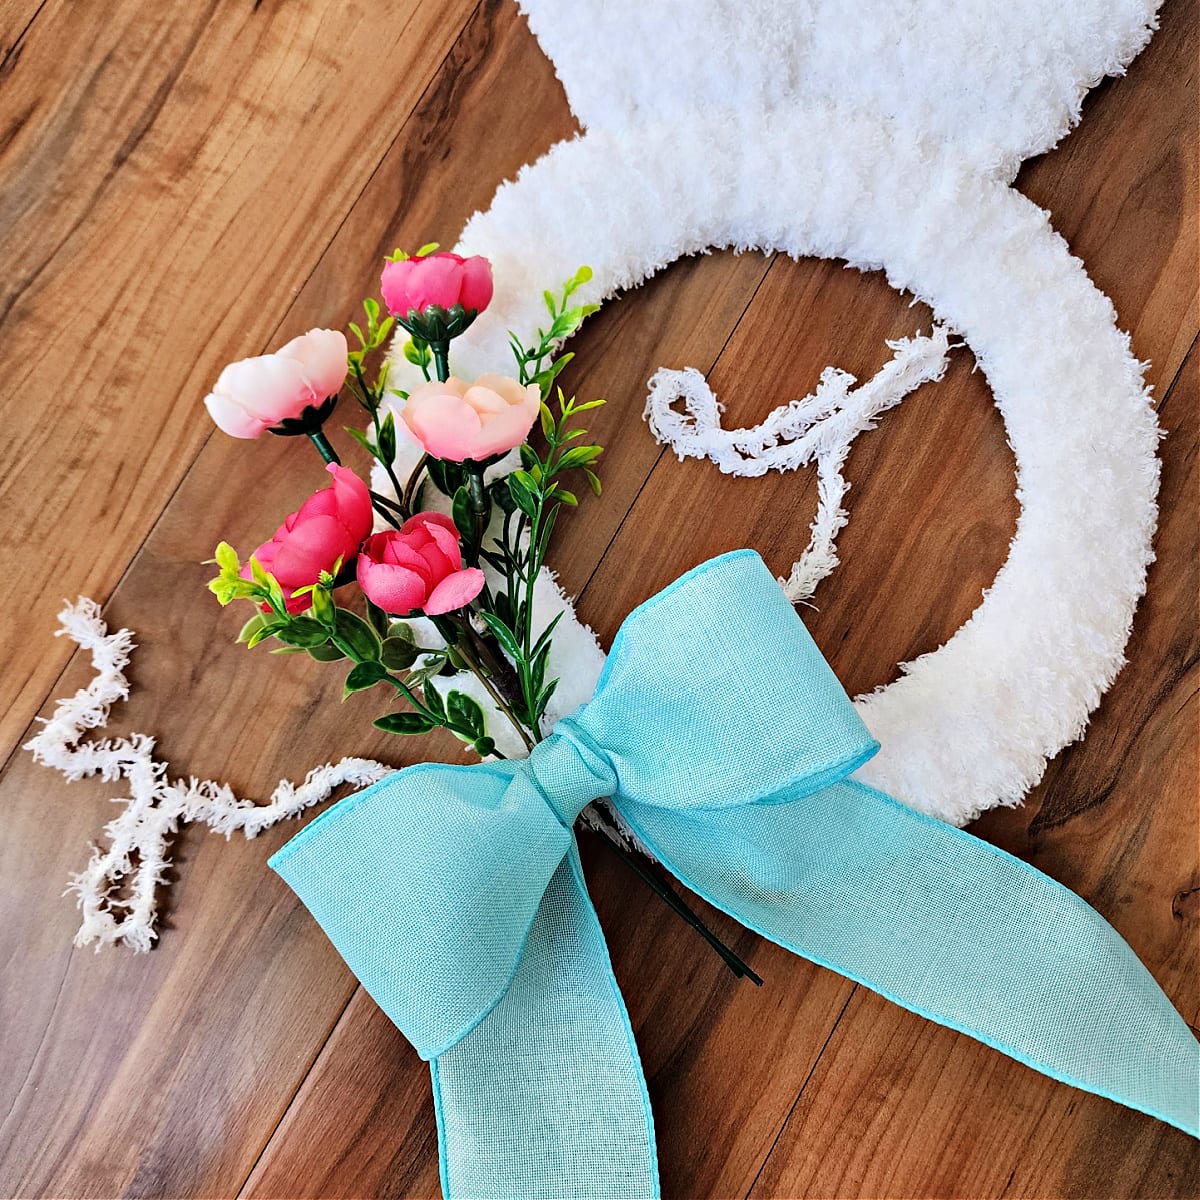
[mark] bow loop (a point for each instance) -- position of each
(427, 883)
(715, 696)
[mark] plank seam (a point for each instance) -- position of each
(807, 1080)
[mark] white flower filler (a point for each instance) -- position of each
(885, 136)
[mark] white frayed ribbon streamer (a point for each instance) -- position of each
(116, 890)
(820, 428)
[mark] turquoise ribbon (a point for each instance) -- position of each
(726, 742)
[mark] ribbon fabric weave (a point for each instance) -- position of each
(722, 736)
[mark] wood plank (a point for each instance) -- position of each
(169, 180)
(115, 1078)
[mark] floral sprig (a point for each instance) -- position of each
(426, 563)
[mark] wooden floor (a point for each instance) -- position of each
(182, 184)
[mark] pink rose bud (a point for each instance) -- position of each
(330, 525)
(456, 420)
(256, 393)
(418, 567)
(443, 279)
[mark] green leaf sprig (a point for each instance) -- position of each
(538, 363)
(532, 499)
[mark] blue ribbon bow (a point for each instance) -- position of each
(725, 741)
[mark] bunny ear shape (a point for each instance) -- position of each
(999, 79)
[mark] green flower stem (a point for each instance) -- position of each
(410, 488)
(381, 504)
(468, 656)
(659, 885)
(441, 359)
(324, 449)
(478, 499)
(389, 468)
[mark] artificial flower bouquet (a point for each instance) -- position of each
(425, 586)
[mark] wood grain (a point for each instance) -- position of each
(274, 153)
(169, 178)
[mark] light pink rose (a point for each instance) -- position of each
(456, 420)
(444, 279)
(418, 567)
(252, 395)
(330, 525)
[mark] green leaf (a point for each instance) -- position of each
(363, 439)
(578, 456)
(447, 477)
(363, 675)
(397, 654)
(323, 608)
(417, 352)
(326, 653)
(504, 635)
(568, 498)
(431, 664)
(594, 480)
(303, 632)
(544, 639)
(427, 249)
(402, 631)
(371, 308)
(464, 519)
(502, 496)
(544, 696)
(485, 746)
(545, 378)
(465, 715)
(406, 724)
(523, 497)
(547, 419)
(355, 636)
(225, 556)
(252, 626)
(261, 634)
(377, 617)
(433, 700)
(387, 438)
(358, 333)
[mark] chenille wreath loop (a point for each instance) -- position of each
(972, 724)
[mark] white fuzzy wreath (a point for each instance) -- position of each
(972, 724)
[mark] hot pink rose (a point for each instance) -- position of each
(456, 420)
(444, 279)
(418, 566)
(330, 524)
(252, 395)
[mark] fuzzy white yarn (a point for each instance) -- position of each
(116, 891)
(821, 428)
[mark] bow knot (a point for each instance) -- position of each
(437, 933)
(569, 771)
